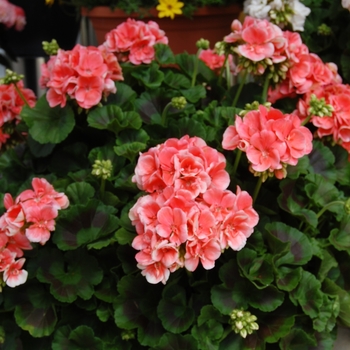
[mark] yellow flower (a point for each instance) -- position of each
(169, 8)
(49, 2)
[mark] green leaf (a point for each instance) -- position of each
(322, 161)
(150, 333)
(327, 317)
(308, 294)
(80, 192)
(47, 124)
(80, 338)
(194, 94)
(164, 55)
(176, 80)
(112, 118)
(124, 236)
(170, 341)
(340, 237)
(124, 97)
(39, 150)
(176, 316)
(38, 316)
(287, 279)
(209, 312)
(188, 126)
(299, 250)
(275, 326)
(150, 76)
(332, 288)
(131, 143)
(83, 224)
(71, 275)
(294, 203)
(257, 269)
(297, 339)
(208, 334)
(327, 263)
(267, 299)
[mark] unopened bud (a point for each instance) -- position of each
(179, 102)
(203, 44)
(102, 168)
(50, 48)
(11, 77)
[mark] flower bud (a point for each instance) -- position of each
(11, 77)
(243, 322)
(203, 44)
(50, 48)
(319, 107)
(179, 102)
(102, 169)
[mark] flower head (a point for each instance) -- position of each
(243, 322)
(169, 8)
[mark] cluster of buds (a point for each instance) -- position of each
(102, 169)
(243, 322)
(319, 107)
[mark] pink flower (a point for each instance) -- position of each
(134, 41)
(14, 275)
(212, 59)
(86, 74)
(12, 15)
(172, 224)
(155, 272)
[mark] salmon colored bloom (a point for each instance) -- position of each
(180, 222)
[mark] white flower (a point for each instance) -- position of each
(346, 4)
(257, 8)
(300, 12)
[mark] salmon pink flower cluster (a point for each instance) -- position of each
(306, 70)
(11, 105)
(12, 15)
(188, 216)
(336, 125)
(133, 41)
(28, 219)
(84, 74)
(257, 41)
(270, 139)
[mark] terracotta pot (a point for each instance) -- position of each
(211, 23)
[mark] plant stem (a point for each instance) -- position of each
(102, 187)
(195, 69)
(223, 69)
(165, 112)
(328, 206)
(240, 87)
(257, 188)
(235, 165)
(265, 90)
(306, 120)
(21, 95)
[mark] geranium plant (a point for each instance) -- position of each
(161, 201)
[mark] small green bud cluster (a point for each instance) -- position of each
(50, 48)
(243, 322)
(347, 206)
(253, 107)
(283, 16)
(319, 107)
(128, 334)
(179, 102)
(324, 30)
(11, 77)
(102, 168)
(203, 44)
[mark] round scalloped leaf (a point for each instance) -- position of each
(173, 311)
(177, 342)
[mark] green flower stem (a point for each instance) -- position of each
(165, 112)
(265, 90)
(223, 68)
(306, 120)
(257, 188)
(328, 206)
(102, 187)
(235, 165)
(195, 69)
(240, 87)
(21, 95)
